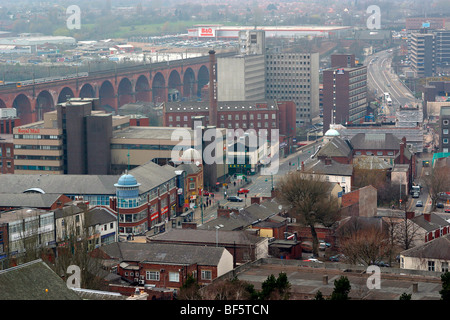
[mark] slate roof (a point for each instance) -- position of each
(29, 282)
(336, 147)
(67, 211)
(59, 184)
(149, 175)
(375, 141)
(438, 248)
(87, 294)
(163, 253)
(190, 168)
(371, 162)
(435, 222)
(334, 169)
(205, 236)
(28, 200)
(99, 215)
(247, 216)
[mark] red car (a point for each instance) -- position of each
(243, 190)
(447, 210)
(205, 193)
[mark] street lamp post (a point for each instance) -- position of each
(217, 233)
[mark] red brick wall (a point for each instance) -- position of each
(350, 198)
(141, 122)
(5, 158)
(164, 282)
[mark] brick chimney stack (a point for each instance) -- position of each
(212, 89)
(427, 216)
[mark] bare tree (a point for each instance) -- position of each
(77, 250)
(438, 181)
(229, 289)
(309, 197)
(367, 245)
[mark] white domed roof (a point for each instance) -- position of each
(191, 155)
(332, 133)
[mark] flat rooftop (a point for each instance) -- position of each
(277, 28)
(306, 278)
(445, 111)
(153, 133)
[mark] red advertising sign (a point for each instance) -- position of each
(154, 216)
(206, 32)
(30, 130)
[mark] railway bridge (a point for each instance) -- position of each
(155, 82)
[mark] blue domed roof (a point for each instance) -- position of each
(127, 180)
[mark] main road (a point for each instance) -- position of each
(382, 78)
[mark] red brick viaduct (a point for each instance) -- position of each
(114, 88)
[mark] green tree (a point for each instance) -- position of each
(341, 289)
(275, 288)
(319, 296)
(405, 296)
(445, 291)
(190, 290)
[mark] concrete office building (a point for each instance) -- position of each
(442, 39)
(444, 139)
(73, 139)
(242, 77)
(295, 77)
(86, 136)
(422, 53)
(38, 147)
(344, 92)
(135, 146)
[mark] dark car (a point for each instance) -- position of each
(235, 199)
(382, 264)
(337, 258)
(439, 205)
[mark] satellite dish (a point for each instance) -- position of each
(197, 163)
(280, 207)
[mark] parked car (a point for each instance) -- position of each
(415, 195)
(337, 258)
(235, 199)
(382, 264)
(447, 210)
(313, 260)
(243, 190)
(323, 245)
(439, 205)
(419, 203)
(205, 193)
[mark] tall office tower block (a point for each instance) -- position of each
(344, 92)
(294, 77)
